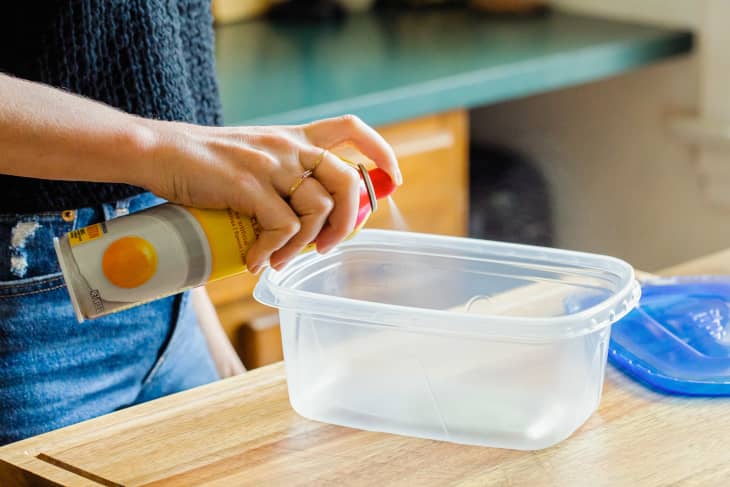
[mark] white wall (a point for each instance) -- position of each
(622, 183)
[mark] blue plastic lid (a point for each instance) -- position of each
(677, 341)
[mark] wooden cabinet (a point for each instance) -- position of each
(433, 155)
(231, 11)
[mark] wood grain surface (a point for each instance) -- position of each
(242, 431)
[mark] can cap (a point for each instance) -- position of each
(377, 185)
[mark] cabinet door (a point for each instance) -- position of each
(432, 152)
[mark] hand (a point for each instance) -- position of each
(252, 169)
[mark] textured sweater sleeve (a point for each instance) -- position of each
(152, 58)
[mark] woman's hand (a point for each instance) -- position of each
(253, 169)
(50, 134)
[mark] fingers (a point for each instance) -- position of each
(279, 224)
(343, 183)
(325, 202)
(322, 204)
(332, 132)
(313, 204)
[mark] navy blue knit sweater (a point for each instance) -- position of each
(153, 58)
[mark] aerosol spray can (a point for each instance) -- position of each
(166, 249)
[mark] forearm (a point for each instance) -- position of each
(50, 134)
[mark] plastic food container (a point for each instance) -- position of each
(453, 339)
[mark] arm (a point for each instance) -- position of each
(51, 134)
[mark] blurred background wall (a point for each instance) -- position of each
(622, 181)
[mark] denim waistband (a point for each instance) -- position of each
(26, 239)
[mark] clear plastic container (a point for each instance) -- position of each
(453, 339)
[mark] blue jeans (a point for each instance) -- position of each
(55, 371)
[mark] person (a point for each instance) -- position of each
(107, 108)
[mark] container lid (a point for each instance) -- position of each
(677, 341)
(432, 283)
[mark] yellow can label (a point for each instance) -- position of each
(229, 235)
(86, 234)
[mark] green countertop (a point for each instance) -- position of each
(392, 66)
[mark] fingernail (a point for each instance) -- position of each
(255, 269)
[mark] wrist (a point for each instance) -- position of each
(145, 143)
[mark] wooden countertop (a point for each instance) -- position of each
(242, 431)
(392, 65)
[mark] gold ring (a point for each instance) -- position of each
(318, 161)
(350, 163)
(299, 182)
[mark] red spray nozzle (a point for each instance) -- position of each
(377, 184)
(383, 185)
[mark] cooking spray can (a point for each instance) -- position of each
(166, 249)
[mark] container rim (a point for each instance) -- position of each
(269, 292)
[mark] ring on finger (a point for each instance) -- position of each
(318, 161)
(299, 182)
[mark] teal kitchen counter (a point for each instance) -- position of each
(394, 65)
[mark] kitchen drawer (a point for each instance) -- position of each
(432, 152)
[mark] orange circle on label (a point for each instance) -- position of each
(129, 262)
